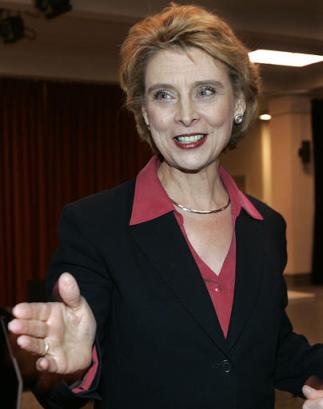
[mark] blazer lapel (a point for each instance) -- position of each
(162, 241)
(249, 270)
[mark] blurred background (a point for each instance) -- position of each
(64, 132)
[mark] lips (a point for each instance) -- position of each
(190, 141)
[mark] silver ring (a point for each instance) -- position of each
(46, 345)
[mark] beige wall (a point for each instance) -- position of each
(292, 182)
(268, 158)
(246, 160)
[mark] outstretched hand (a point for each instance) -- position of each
(61, 333)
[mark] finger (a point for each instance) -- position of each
(28, 327)
(69, 290)
(311, 393)
(313, 404)
(37, 346)
(46, 363)
(32, 344)
(32, 311)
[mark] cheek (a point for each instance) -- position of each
(160, 119)
(218, 116)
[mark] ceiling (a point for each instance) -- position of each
(84, 43)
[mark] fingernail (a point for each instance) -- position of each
(67, 278)
(21, 342)
(14, 326)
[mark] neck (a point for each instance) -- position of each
(202, 190)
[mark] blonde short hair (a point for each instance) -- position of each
(186, 26)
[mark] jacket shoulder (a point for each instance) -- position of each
(109, 205)
(268, 213)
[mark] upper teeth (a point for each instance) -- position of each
(190, 139)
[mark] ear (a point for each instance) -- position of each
(240, 105)
(145, 115)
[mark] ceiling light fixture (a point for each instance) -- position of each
(283, 58)
(53, 8)
(265, 117)
(11, 27)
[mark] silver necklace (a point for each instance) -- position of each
(188, 210)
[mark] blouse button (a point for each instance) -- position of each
(217, 288)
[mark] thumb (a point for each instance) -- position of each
(311, 393)
(69, 290)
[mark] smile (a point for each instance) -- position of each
(190, 141)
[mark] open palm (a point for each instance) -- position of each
(62, 333)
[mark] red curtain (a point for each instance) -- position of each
(58, 142)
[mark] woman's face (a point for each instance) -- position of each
(189, 107)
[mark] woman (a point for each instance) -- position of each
(180, 273)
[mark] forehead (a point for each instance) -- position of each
(176, 65)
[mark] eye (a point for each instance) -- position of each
(206, 91)
(163, 95)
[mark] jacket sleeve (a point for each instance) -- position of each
(78, 255)
(296, 359)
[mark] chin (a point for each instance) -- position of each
(193, 166)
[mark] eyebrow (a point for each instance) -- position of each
(217, 84)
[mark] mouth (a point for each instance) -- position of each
(190, 141)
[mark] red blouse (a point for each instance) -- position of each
(151, 201)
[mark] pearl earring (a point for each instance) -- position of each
(238, 118)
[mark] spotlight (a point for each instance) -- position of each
(265, 117)
(11, 28)
(53, 8)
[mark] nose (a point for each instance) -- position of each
(186, 113)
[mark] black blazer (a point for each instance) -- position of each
(159, 339)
